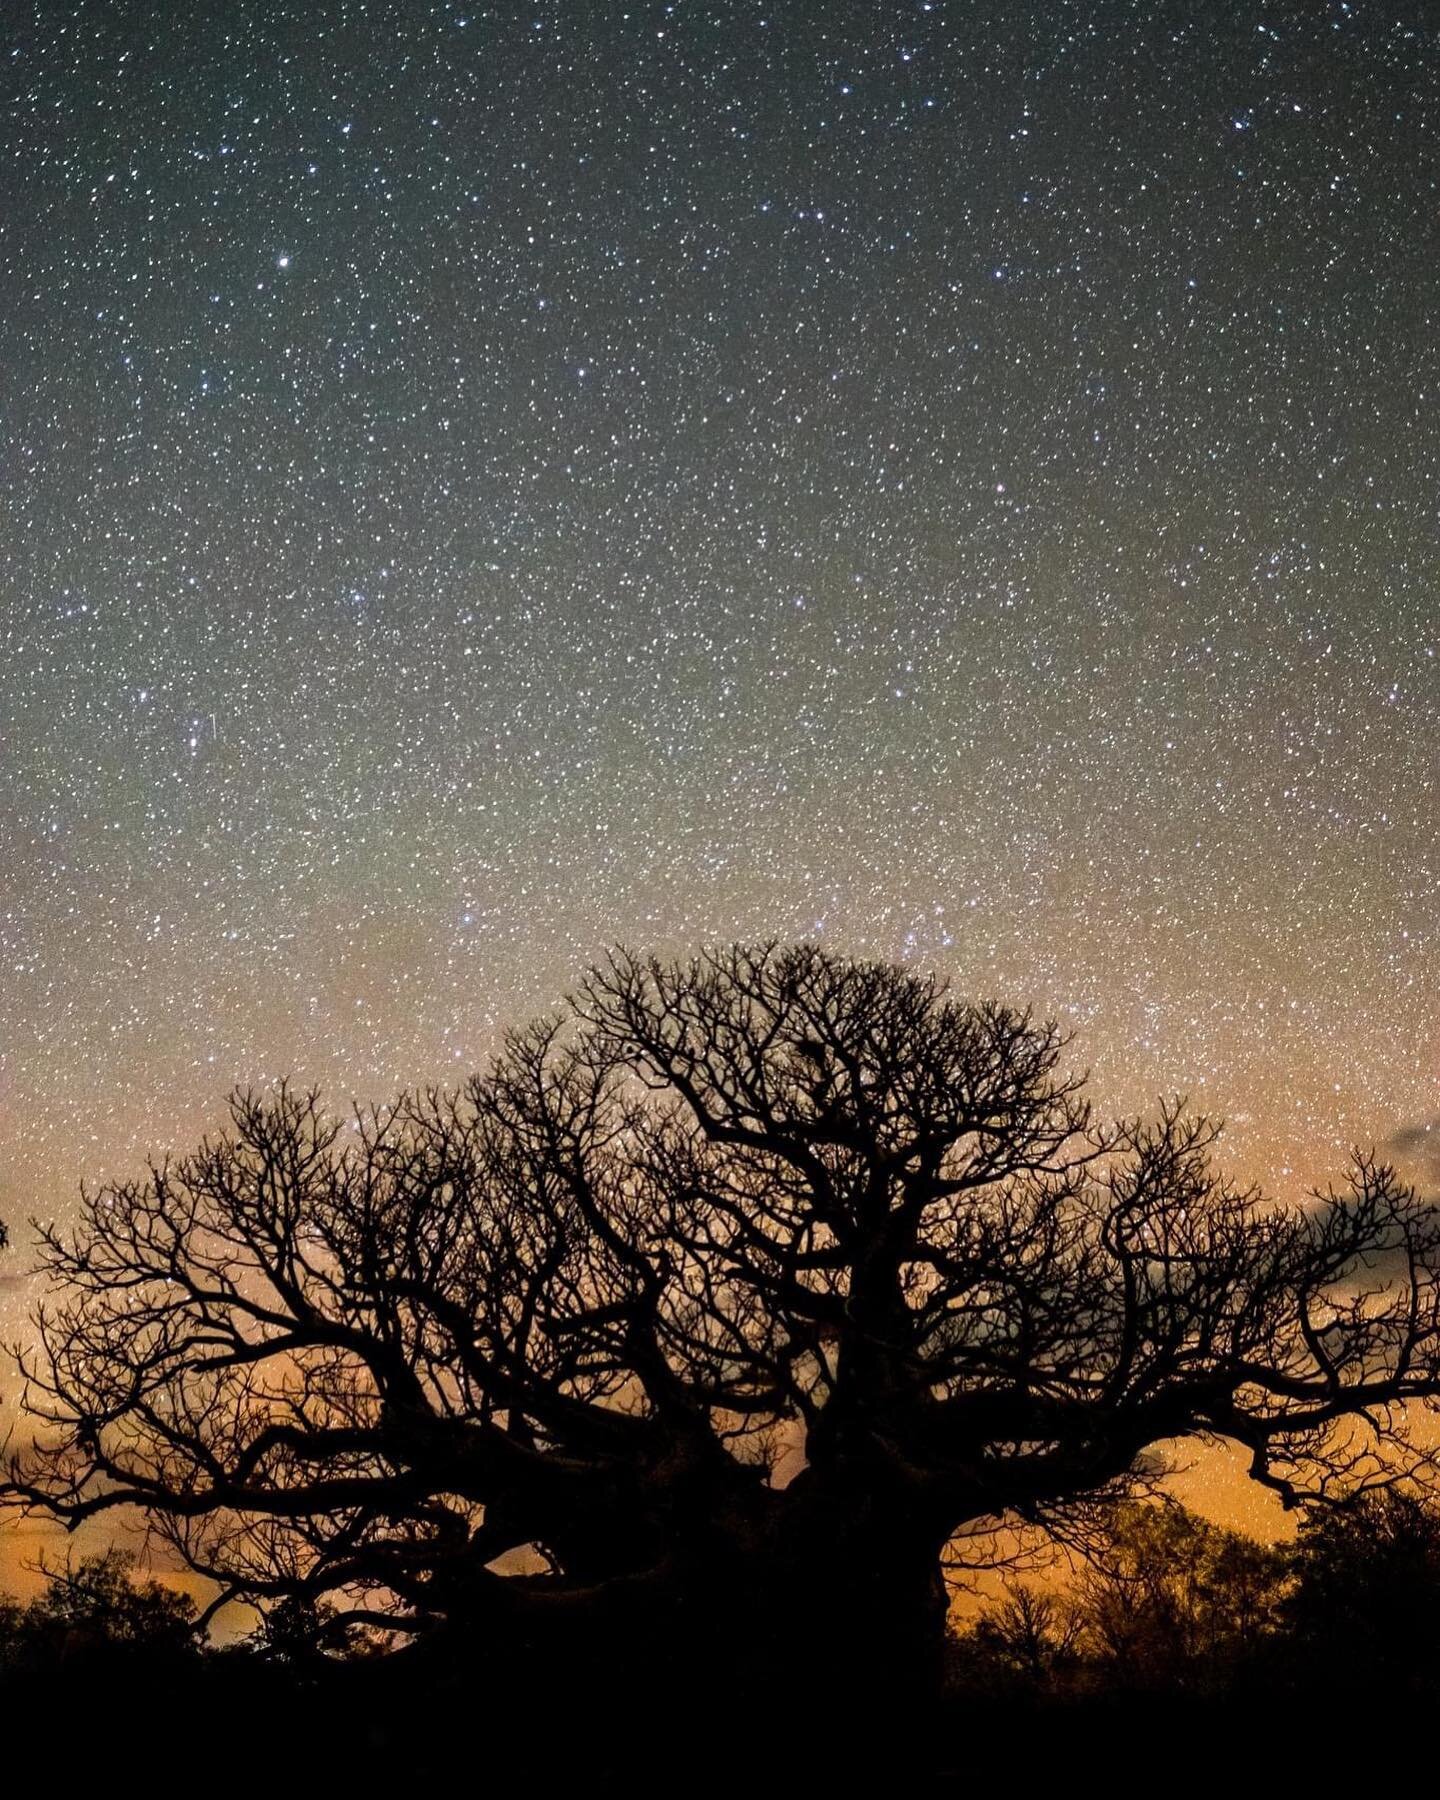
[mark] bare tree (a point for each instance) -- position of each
(1031, 1632)
(715, 1308)
(1162, 1600)
(1174, 1601)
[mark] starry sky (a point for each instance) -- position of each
(955, 480)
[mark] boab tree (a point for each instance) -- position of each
(730, 1296)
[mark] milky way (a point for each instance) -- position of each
(959, 481)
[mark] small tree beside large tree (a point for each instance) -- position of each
(705, 1319)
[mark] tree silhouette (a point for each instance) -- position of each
(100, 1603)
(299, 1631)
(1173, 1601)
(1032, 1633)
(1366, 1605)
(1163, 1601)
(704, 1320)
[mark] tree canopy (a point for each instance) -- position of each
(1162, 1601)
(735, 1289)
(103, 1600)
(1367, 1594)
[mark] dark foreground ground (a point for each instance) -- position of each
(232, 1722)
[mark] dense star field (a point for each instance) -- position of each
(956, 481)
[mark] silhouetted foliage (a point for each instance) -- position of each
(301, 1631)
(1366, 1605)
(104, 1594)
(99, 1604)
(1174, 1601)
(703, 1321)
(1165, 1601)
(1035, 1635)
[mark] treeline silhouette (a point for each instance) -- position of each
(1167, 1603)
(657, 1375)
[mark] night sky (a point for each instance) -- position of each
(955, 480)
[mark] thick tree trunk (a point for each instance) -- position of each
(818, 1610)
(869, 1612)
(838, 1617)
